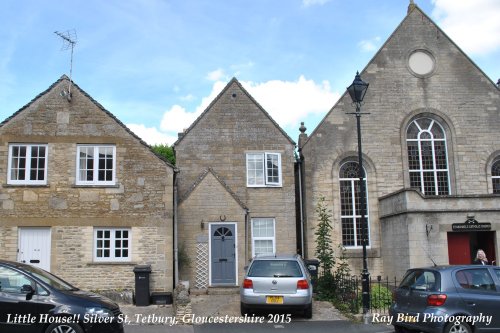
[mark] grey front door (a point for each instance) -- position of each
(223, 253)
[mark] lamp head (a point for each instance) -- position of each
(357, 89)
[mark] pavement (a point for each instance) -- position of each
(214, 306)
(227, 309)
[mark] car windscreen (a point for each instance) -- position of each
(275, 268)
(49, 279)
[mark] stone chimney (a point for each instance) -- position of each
(411, 6)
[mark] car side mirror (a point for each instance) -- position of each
(28, 290)
(311, 268)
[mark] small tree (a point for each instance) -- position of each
(166, 151)
(343, 268)
(324, 250)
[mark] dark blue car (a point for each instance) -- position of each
(448, 299)
(35, 301)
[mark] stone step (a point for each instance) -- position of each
(223, 290)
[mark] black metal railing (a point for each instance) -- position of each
(345, 292)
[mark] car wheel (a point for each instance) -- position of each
(460, 328)
(308, 312)
(400, 329)
(243, 309)
(64, 328)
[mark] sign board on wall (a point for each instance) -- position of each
(471, 225)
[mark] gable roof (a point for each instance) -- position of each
(65, 78)
(230, 83)
(411, 8)
(200, 179)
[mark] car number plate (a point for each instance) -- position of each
(274, 299)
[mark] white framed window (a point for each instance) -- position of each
(350, 206)
(428, 157)
(27, 164)
(263, 169)
(495, 177)
(95, 165)
(112, 244)
(263, 236)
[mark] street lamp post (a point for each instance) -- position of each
(357, 91)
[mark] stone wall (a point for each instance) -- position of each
(415, 228)
(232, 126)
(457, 94)
(207, 204)
(142, 198)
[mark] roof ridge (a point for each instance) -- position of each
(234, 80)
(84, 93)
(411, 8)
(52, 86)
(200, 179)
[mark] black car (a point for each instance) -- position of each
(448, 299)
(33, 300)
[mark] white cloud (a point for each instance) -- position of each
(151, 135)
(187, 98)
(205, 102)
(216, 75)
(289, 102)
(177, 119)
(473, 24)
(370, 45)
(308, 3)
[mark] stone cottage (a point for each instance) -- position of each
(236, 189)
(81, 195)
(431, 156)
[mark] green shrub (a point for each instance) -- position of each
(380, 297)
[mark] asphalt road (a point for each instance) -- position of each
(340, 326)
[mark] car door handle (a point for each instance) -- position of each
(222, 259)
(471, 303)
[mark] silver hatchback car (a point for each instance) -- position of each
(278, 282)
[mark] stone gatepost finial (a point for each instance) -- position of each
(302, 135)
(302, 128)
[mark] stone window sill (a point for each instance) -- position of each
(24, 185)
(112, 263)
(96, 186)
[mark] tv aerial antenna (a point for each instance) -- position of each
(69, 40)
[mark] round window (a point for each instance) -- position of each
(421, 63)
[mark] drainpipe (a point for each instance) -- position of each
(176, 248)
(300, 161)
(247, 215)
(301, 208)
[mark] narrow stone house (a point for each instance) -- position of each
(236, 189)
(81, 195)
(431, 156)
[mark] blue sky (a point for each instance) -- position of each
(157, 64)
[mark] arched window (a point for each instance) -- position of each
(427, 157)
(350, 207)
(495, 177)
